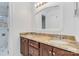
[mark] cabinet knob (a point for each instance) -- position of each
(31, 44)
(50, 52)
(54, 53)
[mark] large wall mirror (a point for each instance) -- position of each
(49, 18)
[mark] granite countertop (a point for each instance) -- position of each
(72, 46)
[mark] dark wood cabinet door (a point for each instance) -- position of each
(33, 51)
(24, 46)
(33, 48)
(61, 52)
(45, 50)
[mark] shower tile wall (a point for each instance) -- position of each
(3, 28)
(3, 36)
(3, 40)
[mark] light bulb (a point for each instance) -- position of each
(35, 5)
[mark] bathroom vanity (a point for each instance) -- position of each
(39, 44)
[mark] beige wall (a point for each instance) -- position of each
(20, 17)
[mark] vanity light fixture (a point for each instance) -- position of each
(39, 4)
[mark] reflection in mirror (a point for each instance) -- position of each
(43, 22)
(51, 18)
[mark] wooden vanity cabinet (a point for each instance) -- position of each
(45, 50)
(33, 48)
(24, 46)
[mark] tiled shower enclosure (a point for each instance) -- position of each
(3, 28)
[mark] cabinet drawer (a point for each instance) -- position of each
(34, 44)
(33, 51)
(61, 52)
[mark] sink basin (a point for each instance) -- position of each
(58, 42)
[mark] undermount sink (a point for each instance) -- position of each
(58, 42)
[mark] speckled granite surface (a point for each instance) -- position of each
(69, 45)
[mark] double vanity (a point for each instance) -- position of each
(41, 44)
